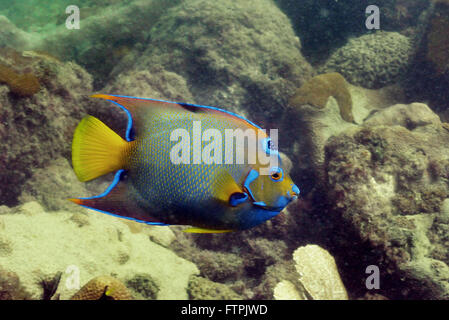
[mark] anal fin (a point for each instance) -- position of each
(116, 201)
(202, 230)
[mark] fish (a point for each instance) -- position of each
(163, 176)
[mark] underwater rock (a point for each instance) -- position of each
(13, 37)
(103, 288)
(372, 60)
(203, 289)
(52, 185)
(36, 129)
(238, 55)
(112, 31)
(386, 187)
(50, 243)
(409, 116)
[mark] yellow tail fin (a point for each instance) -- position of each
(97, 149)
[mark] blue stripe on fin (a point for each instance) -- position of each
(127, 218)
(116, 180)
(187, 104)
(129, 127)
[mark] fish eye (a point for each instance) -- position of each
(277, 174)
(267, 146)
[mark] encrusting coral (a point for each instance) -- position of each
(103, 288)
(317, 91)
(22, 84)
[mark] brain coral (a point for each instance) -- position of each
(103, 286)
(372, 60)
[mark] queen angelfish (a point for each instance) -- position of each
(149, 187)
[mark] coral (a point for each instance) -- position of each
(326, 25)
(38, 129)
(285, 290)
(317, 91)
(318, 279)
(203, 289)
(103, 287)
(144, 286)
(387, 186)
(372, 60)
(23, 85)
(234, 60)
(319, 274)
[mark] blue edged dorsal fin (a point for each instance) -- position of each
(115, 201)
(136, 109)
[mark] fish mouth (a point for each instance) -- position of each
(263, 206)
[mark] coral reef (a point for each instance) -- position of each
(234, 60)
(387, 186)
(203, 289)
(103, 287)
(325, 25)
(53, 242)
(372, 60)
(37, 129)
(317, 91)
